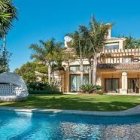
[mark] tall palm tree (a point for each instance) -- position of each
(89, 42)
(97, 37)
(47, 53)
(80, 39)
(8, 13)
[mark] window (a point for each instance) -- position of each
(86, 68)
(75, 82)
(74, 68)
(108, 47)
(112, 85)
(77, 68)
(112, 45)
(133, 85)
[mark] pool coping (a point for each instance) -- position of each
(131, 111)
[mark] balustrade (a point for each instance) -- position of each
(113, 56)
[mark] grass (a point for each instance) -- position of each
(77, 102)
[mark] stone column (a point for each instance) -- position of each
(90, 81)
(68, 80)
(124, 83)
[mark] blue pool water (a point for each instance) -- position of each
(59, 126)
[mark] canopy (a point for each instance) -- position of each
(12, 87)
(12, 78)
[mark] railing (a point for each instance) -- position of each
(128, 51)
(120, 56)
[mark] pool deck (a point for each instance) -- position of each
(132, 111)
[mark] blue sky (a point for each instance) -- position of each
(44, 19)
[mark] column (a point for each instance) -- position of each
(68, 80)
(124, 83)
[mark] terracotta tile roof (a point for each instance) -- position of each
(122, 66)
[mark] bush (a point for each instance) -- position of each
(97, 87)
(90, 88)
(42, 88)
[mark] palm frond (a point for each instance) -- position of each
(8, 13)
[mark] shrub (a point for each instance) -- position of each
(90, 88)
(42, 88)
(97, 87)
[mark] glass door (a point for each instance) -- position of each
(133, 85)
(75, 82)
(112, 85)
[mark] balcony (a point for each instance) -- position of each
(118, 56)
(127, 59)
(121, 66)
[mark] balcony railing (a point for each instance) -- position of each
(113, 56)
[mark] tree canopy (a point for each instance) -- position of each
(49, 53)
(91, 39)
(131, 43)
(46, 51)
(31, 70)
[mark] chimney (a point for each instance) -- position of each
(67, 41)
(109, 30)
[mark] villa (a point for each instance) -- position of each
(118, 69)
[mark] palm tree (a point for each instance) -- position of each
(8, 13)
(47, 53)
(97, 37)
(80, 39)
(131, 43)
(89, 42)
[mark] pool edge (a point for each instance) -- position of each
(132, 111)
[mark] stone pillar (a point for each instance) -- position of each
(121, 44)
(68, 80)
(124, 83)
(90, 76)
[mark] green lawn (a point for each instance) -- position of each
(77, 102)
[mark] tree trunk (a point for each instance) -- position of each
(90, 72)
(94, 70)
(81, 65)
(4, 57)
(68, 78)
(90, 82)
(81, 71)
(49, 73)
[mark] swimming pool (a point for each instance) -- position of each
(59, 126)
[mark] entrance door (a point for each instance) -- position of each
(75, 82)
(133, 85)
(112, 85)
